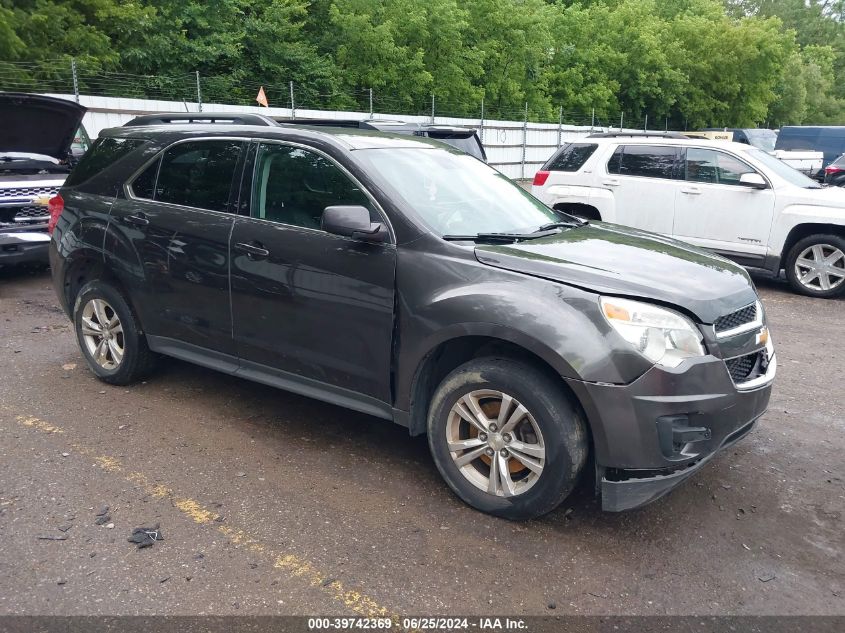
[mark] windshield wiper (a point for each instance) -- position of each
(563, 225)
(505, 238)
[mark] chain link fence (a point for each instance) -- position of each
(517, 140)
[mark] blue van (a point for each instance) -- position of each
(828, 139)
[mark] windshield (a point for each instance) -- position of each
(764, 139)
(456, 194)
(784, 171)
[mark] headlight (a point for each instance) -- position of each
(662, 336)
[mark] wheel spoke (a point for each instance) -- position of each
(462, 445)
(470, 411)
(824, 281)
(100, 311)
(116, 352)
(493, 481)
(117, 329)
(504, 410)
(100, 352)
(528, 462)
(809, 276)
(505, 476)
(533, 450)
(818, 253)
(469, 456)
(834, 257)
(803, 262)
(519, 413)
(89, 328)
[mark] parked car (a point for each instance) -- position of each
(35, 157)
(465, 139)
(398, 277)
(733, 199)
(827, 139)
(760, 138)
(834, 174)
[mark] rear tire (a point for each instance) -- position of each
(519, 464)
(109, 336)
(815, 266)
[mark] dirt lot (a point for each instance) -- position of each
(273, 503)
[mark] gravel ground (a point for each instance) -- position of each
(270, 503)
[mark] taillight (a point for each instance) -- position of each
(833, 169)
(55, 206)
(540, 178)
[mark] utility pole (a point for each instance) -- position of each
(559, 124)
(371, 103)
(524, 139)
(432, 107)
(592, 121)
(645, 125)
(482, 120)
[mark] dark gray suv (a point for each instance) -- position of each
(399, 277)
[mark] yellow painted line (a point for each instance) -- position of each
(295, 567)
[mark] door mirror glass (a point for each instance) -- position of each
(753, 180)
(352, 221)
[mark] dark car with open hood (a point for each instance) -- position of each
(39, 139)
(399, 277)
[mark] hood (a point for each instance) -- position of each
(616, 260)
(35, 124)
(821, 197)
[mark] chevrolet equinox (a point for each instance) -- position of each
(396, 276)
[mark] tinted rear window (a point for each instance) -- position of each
(571, 157)
(198, 174)
(646, 161)
(103, 153)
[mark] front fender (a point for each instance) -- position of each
(797, 214)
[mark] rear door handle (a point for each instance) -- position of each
(611, 182)
(254, 250)
(139, 219)
(692, 191)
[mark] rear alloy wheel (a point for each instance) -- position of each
(506, 437)
(107, 330)
(816, 266)
(102, 333)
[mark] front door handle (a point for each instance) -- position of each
(139, 219)
(692, 191)
(253, 250)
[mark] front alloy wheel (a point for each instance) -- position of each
(102, 333)
(495, 442)
(821, 267)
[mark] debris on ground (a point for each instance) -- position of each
(146, 536)
(103, 516)
(52, 537)
(766, 577)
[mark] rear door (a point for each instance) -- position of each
(713, 210)
(643, 182)
(171, 237)
(311, 309)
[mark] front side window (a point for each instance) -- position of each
(645, 161)
(293, 186)
(198, 174)
(711, 166)
(571, 157)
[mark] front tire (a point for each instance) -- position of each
(815, 266)
(506, 438)
(109, 336)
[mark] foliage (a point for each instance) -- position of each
(680, 62)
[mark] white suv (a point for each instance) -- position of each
(730, 198)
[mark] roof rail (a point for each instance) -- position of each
(637, 135)
(231, 118)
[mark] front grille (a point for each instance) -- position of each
(29, 213)
(23, 192)
(748, 314)
(742, 368)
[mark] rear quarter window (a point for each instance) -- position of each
(645, 161)
(571, 157)
(103, 153)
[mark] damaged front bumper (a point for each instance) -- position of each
(654, 433)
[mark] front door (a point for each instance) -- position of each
(310, 306)
(713, 210)
(175, 225)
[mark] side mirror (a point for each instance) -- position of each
(352, 221)
(753, 180)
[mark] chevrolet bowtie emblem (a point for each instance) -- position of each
(763, 336)
(41, 201)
